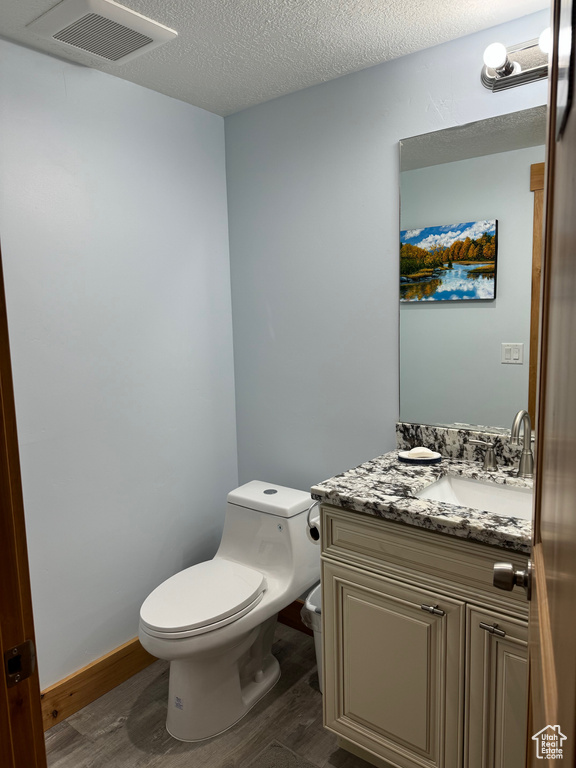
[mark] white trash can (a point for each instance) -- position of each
(312, 617)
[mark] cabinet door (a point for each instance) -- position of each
(393, 670)
(496, 706)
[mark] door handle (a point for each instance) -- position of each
(506, 577)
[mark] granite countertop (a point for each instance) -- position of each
(385, 487)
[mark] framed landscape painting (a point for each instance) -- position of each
(453, 262)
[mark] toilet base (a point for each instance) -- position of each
(189, 731)
(208, 696)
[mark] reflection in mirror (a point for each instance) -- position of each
(452, 351)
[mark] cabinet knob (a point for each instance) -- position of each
(507, 577)
(433, 609)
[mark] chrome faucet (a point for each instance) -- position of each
(526, 465)
(490, 464)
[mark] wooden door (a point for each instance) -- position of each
(394, 672)
(496, 690)
(552, 611)
(21, 734)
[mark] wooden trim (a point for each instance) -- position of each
(545, 280)
(6, 751)
(79, 689)
(537, 186)
(291, 617)
(537, 708)
(549, 679)
(20, 704)
(537, 176)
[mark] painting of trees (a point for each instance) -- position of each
(415, 259)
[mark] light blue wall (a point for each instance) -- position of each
(450, 356)
(115, 247)
(313, 217)
(114, 234)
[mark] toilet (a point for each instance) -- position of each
(215, 622)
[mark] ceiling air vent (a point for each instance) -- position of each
(101, 28)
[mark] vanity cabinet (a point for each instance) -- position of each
(496, 694)
(410, 677)
(399, 667)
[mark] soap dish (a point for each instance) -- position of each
(404, 456)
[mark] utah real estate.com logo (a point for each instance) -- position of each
(549, 743)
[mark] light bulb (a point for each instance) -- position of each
(545, 40)
(495, 56)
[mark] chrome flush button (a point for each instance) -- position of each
(270, 491)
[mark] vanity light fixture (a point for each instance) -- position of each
(523, 63)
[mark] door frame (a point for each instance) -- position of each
(21, 733)
(552, 623)
(537, 176)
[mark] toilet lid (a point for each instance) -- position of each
(203, 594)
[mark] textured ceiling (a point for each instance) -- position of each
(504, 133)
(232, 54)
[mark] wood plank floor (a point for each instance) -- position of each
(126, 727)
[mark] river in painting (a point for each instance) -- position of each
(456, 284)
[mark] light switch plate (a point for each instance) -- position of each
(512, 353)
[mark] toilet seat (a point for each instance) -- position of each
(202, 598)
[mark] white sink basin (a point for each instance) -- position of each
(506, 500)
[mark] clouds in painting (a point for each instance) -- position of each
(411, 233)
(461, 288)
(429, 238)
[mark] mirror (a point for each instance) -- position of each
(468, 361)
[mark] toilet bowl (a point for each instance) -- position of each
(215, 622)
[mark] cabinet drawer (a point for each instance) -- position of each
(435, 560)
(393, 671)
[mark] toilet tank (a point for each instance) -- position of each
(272, 499)
(265, 527)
